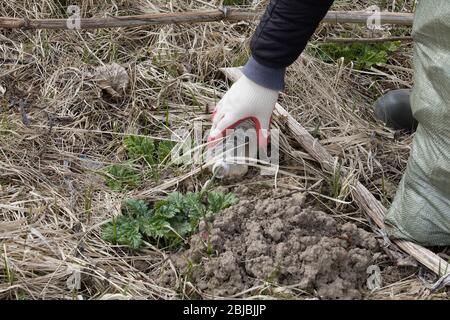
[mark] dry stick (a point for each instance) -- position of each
(229, 14)
(363, 197)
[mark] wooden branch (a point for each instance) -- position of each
(365, 199)
(361, 17)
(229, 14)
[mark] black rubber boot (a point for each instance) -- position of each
(394, 109)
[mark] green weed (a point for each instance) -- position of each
(151, 152)
(363, 55)
(9, 274)
(121, 176)
(336, 182)
(241, 58)
(234, 2)
(140, 150)
(168, 222)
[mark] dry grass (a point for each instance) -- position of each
(53, 198)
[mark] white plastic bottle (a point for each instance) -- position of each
(232, 155)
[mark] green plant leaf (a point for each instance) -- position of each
(140, 148)
(175, 216)
(123, 230)
(170, 207)
(121, 176)
(135, 208)
(164, 149)
(218, 201)
(194, 207)
(364, 55)
(183, 228)
(155, 228)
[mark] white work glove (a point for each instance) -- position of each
(245, 100)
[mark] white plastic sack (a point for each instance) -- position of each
(420, 211)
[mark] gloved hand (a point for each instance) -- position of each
(245, 100)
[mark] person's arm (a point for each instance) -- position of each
(281, 37)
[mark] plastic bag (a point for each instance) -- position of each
(420, 211)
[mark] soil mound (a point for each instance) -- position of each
(278, 241)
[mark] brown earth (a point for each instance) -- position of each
(278, 241)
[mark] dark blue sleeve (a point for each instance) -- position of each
(281, 37)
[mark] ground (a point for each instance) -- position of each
(274, 240)
(66, 167)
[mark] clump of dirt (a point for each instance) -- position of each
(277, 240)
